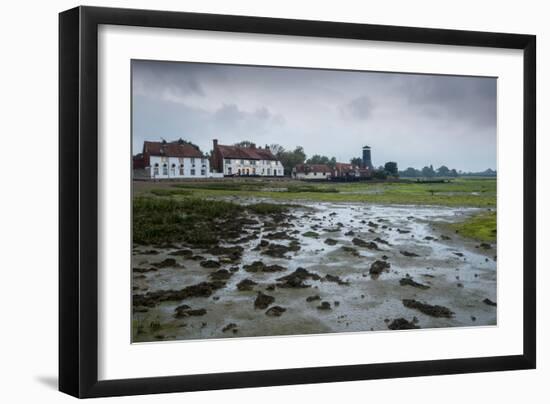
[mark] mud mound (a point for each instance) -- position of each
(221, 275)
(259, 266)
(234, 253)
(275, 311)
(371, 245)
(246, 284)
(263, 301)
(411, 282)
(167, 263)
(409, 254)
(186, 311)
(203, 289)
(402, 324)
(434, 311)
(182, 253)
(280, 250)
(378, 267)
(210, 264)
(335, 279)
(296, 279)
(489, 302)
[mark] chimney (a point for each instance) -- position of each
(215, 142)
(253, 145)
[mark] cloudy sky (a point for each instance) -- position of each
(415, 120)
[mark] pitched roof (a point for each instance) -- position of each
(171, 149)
(248, 153)
(310, 168)
(344, 166)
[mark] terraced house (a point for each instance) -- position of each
(166, 160)
(317, 172)
(245, 161)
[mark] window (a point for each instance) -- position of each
(242, 161)
(193, 161)
(173, 170)
(156, 169)
(315, 173)
(192, 171)
(203, 172)
(165, 169)
(269, 171)
(324, 173)
(227, 161)
(181, 169)
(229, 170)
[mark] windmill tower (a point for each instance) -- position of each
(367, 162)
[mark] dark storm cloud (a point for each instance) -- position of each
(231, 115)
(149, 79)
(471, 99)
(359, 108)
(409, 118)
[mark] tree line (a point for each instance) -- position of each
(444, 171)
(291, 158)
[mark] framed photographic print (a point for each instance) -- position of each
(250, 201)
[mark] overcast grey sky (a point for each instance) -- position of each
(415, 120)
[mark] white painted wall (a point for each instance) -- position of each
(169, 167)
(312, 175)
(266, 168)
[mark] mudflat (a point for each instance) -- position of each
(267, 266)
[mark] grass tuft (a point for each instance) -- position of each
(482, 227)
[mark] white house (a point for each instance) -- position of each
(317, 172)
(245, 161)
(167, 160)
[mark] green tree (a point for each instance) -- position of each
(290, 159)
(443, 171)
(276, 149)
(244, 143)
(410, 172)
(380, 174)
(356, 161)
(428, 172)
(391, 168)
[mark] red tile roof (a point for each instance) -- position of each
(171, 149)
(310, 168)
(245, 153)
(344, 166)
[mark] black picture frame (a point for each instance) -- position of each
(78, 201)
